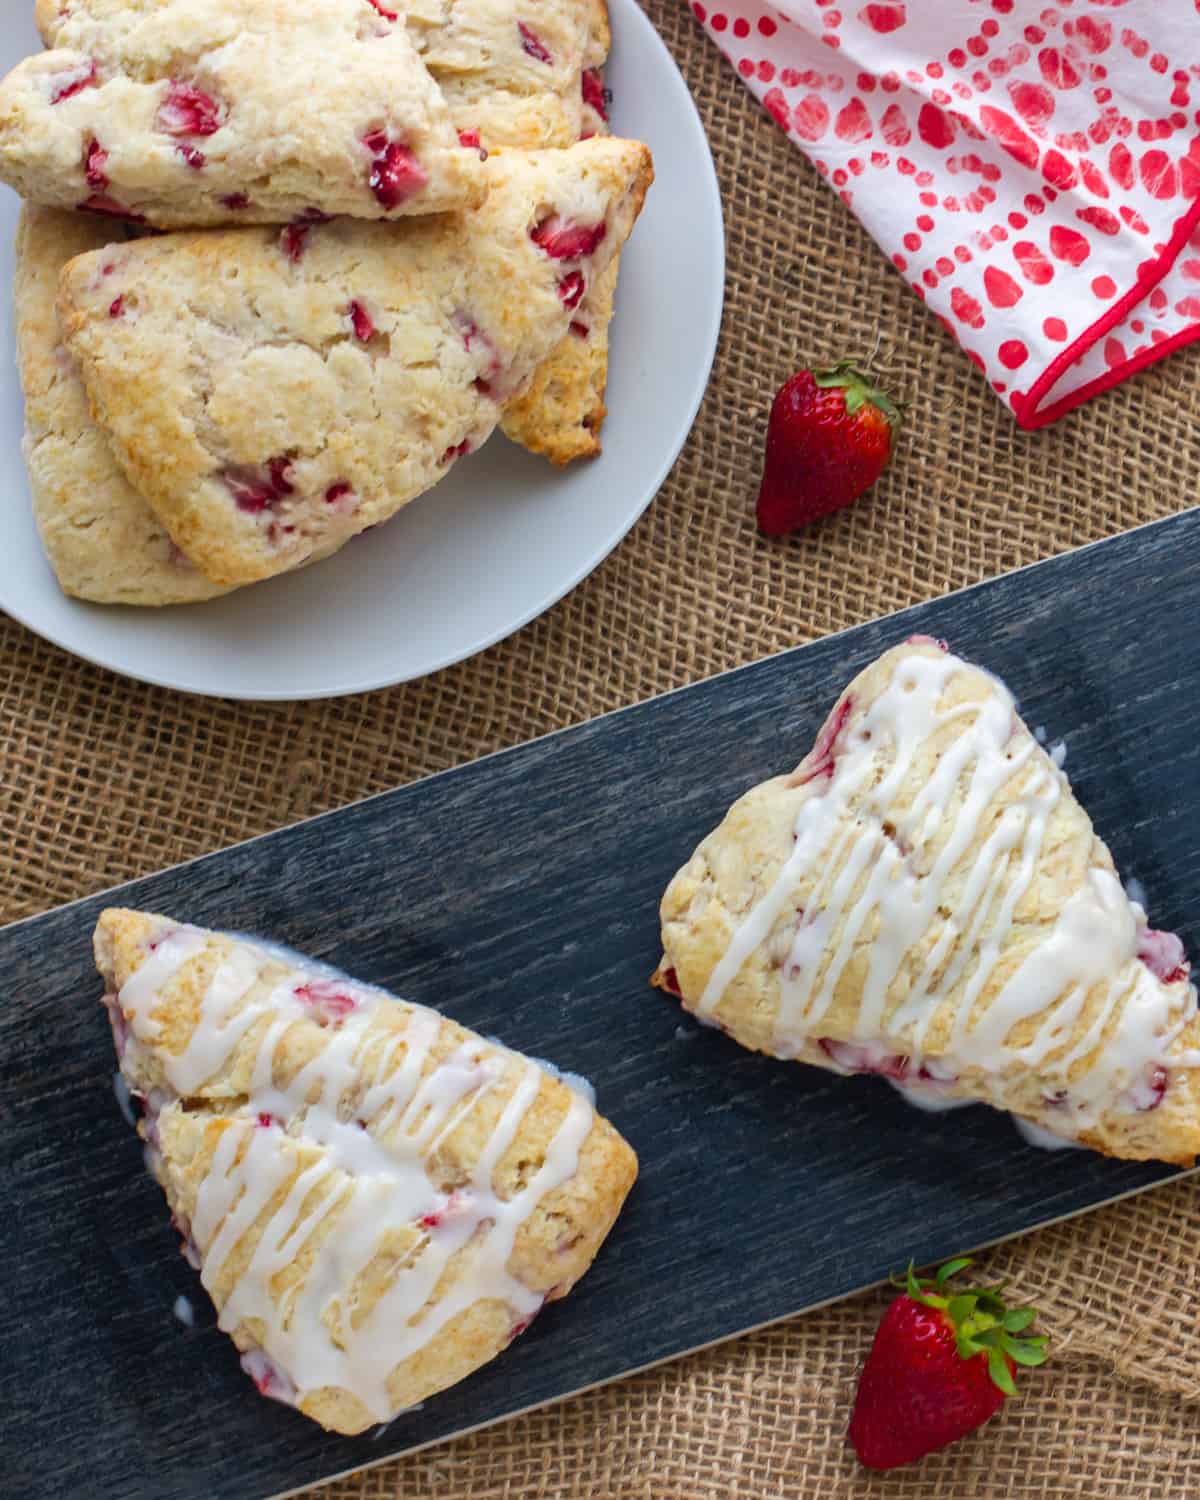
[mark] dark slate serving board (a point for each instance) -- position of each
(520, 894)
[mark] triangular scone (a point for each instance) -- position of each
(184, 113)
(378, 1200)
(924, 898)
(103, 541)
(273, 394)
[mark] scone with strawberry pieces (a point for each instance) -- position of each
(378, 1201)
(103, 541)
(510, 72)
(185, 113)
(562, 410)
(510, 86)
(923, 898)
(274, 393)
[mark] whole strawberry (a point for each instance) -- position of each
(829, 437)
(942, 1363)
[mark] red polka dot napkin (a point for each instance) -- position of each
(1031, 168)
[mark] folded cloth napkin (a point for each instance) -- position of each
(1032, 167)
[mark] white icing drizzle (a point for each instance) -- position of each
(372, 1171)
(124, 1102)
(867, 873)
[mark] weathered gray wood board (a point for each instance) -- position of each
(520, 895)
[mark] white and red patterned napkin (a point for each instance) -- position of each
(1032, 167)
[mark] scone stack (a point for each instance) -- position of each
(390, 229)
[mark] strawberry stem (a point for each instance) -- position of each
(983, 1324)
(859, 389)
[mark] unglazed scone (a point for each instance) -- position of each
(184, 113)
(378, 1200)
(273, 394)
(562, 410)
(925, 899)
(510, 86)
(103, 541)
(509, 71)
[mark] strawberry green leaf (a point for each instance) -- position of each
(952, 1268)
(1000, 1373)
(961, 1307)
(1019, 1318)
(1019, 1350)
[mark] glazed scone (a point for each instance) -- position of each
(273, 394)
(510, 88)
(378, 1200)
(925, 899)
(103, 541)
(186, 113)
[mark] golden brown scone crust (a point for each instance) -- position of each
(515, 101)
(187, 113)
(241, 400)
(562, 412)
(553, 1248)
(737, 865)
(103, 541)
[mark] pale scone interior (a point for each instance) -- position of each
(378, 1200)
(925, 899)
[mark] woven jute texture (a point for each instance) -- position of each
(104, 780)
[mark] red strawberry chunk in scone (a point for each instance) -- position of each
(874, 1058)
(563, 240)
(293, 241)
(532, 44)
(195, 159)
(328, 1002)
(94, 163)
(571, 289)
(453, 1206)
(255, 491)
(1163, 954)
(396, 174)
(187, 110)
(100, 203)
(865, 1057)
(522, 1324)
(669, 979)
(820, 759)
(360, 319)
(73, 81)
(593, 92)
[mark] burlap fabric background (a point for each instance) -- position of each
(104, 780)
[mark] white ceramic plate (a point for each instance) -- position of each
(499, 541)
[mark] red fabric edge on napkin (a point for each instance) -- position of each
(1087, 340)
